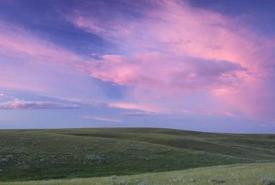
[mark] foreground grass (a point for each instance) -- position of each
(249, 174)
(72, 153)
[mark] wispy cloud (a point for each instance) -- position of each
(21, 104)
(18, 42)
(135, 106)
(14, 100)
(22, 53)
(101, 118)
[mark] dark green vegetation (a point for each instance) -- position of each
(241, 174)
(69, 153)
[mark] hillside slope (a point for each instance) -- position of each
(249, 174)
(69, 153)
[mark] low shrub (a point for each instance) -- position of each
(268, 181)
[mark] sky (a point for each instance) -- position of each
(206, 65)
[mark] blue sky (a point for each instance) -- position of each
(203, 65)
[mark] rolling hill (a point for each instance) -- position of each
(73, 153)
(245, 174)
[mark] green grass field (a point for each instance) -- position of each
(249, 174)
(76, 153)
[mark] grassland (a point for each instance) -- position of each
(74, 153)
(249, 174)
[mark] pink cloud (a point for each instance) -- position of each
(22, 53)
(173, 55)
(154, 70)
(17, 42)
(135, 106)
(177, 49)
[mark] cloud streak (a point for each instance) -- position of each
(23, 52)
(26, 105)
(101, 118)
(17, 42)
